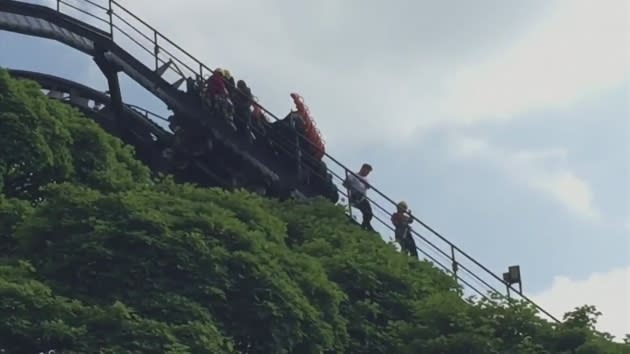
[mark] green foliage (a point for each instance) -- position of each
(36, 319)
(44, 141)
(12, 212)
(98, 257)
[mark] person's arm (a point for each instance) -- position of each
(366, 183)
(347, 182)
(395, 220)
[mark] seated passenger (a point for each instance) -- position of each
(187, 139)
(283, 134)
(192, 86)
(402, 220)
(230, 80)
(215, 84)
(321, 182)
(242, 98)
(357, 186)
(217, 93)
(260, 123)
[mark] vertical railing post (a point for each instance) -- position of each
(58, 5)
(110, 12)
(453, 262)
(156, 49)
(348, 193)
(298, 149)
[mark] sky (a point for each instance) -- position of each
(504, 124)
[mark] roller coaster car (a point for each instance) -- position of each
(280, 146)
(289, 143)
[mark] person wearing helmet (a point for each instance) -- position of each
(230, 79)
(401, 220)
(217, 93)
(242, 98)
(357, 185)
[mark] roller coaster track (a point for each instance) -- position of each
(149, 139)
(118, 40)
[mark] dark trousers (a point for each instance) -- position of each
(405, 239)
(243, 120)
(360, 202)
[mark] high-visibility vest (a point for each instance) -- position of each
(310, 130)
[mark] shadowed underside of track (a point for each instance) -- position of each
(134, 126)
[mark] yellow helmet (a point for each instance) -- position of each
(402, 205)
(227, 73)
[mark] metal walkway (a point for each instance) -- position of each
(117, 38)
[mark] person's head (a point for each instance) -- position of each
(241, 84)
(402, 207)
(365, 169)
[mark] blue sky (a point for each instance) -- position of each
(504, 124)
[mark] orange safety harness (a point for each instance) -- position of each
(311, 131)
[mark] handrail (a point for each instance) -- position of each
(147, 113)
(158, 42)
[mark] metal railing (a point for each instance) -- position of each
(155, 50)
(147, 113)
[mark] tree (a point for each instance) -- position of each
(35, 319)
(178, 257)
(45, 141)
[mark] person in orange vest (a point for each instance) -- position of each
(402, 219)
(315, 143)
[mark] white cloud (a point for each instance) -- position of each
(546, 171)
(579, 49)
(609, 292)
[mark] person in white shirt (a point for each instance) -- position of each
(357, 186)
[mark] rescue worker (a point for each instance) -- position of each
(357, 186)
(402, 220)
